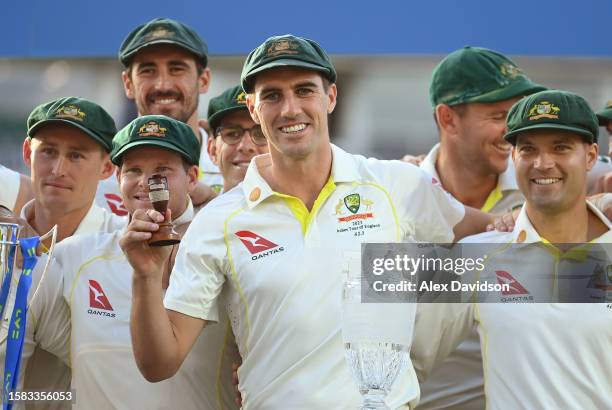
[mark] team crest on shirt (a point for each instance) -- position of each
(70, 111)
(544, 109)
(152, 128)
(352, 212)
(601, 279)
(353, 203)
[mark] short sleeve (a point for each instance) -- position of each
(429, 212)
(198, 275)
(10, 181)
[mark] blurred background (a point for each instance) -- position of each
(384, 53)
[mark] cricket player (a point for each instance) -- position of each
(229, 148)
(166, 70)
(91, 273)
(67, 151)
(471, 91)
(539, 355)
(274, 245)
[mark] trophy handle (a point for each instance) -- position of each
(53, 235)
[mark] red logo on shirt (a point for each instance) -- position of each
(97, 297)
(504, 278)
(255, 243)
(115, 203)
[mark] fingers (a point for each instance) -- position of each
(238, 398)
(147, 215)
(140, 228)
(504, 223)
(412, 159)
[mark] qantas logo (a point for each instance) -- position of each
(115, 204)
(98, 300)
(504, 278)
(257, 245)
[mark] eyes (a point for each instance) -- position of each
(151, 70)
(137, 171)
(274, 96)
(558, 148)
(51, 152)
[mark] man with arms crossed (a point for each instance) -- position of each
(274, 246)
(554, 136)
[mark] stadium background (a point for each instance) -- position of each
(384, 51)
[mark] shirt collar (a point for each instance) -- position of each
(186, 216)
(429, 162)
(256, 189)
(525, 233)
(91, 223)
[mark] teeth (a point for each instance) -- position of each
(294, 128)
(546, 181)
(166, 101)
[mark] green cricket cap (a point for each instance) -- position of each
(160, 131)
(163, 31)
(231, 100)
(605, 116)
(478, 75)
(286, 51)
(554, 110)
(83, 114)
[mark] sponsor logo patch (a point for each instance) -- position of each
(257, 245)
(98, 301)
(517, 292)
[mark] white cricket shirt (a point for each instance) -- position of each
(279, 269)
(97, 286)
(535, 355)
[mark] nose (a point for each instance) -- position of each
(59, 167)
(246, 144)
(543, 161)
(290, 107)
(163, 80)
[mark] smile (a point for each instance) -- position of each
(165, 101)
(546, 181)
(503, 147)
(293, 128)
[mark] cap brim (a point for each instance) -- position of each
(517, 89)
(511, 136)
(605, 116)
(215, 119)
(105, 144)
(125, 59)
(116, 158)
(283, 62)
